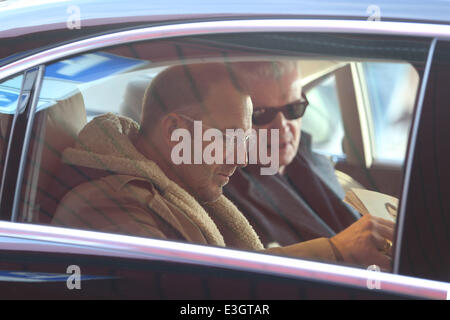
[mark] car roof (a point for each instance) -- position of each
(28, 25)
(22, 15)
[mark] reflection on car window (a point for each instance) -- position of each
(323, 120)
(9, 97)
(391, 104)
(147, 141)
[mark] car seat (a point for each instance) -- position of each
(55, 129)
(134, 95)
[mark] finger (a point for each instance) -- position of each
(382, 244)
(378, 257)
(384, 231)
(378, 241)
(384, 222)
(383, 261)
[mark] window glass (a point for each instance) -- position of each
(143, 139)
(389, 87)
(323, 119)
(9, 97)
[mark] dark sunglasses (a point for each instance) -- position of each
(291, 111)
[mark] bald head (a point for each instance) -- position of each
(181, 104)
(183, 87)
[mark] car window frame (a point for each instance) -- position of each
(416, 151)
(22, 237)
(19, 139)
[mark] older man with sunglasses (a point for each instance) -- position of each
(303, 200)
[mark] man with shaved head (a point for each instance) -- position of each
(138, 186)
(138, 189)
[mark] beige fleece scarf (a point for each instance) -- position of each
(107, 143)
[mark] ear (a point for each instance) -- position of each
(169, 124)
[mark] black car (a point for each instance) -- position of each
(376, 77)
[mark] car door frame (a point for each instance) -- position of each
(424, 239)
(61, 248)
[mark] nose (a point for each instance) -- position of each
(280, 122)
(243, 165)
(241, 154)
(238, 156)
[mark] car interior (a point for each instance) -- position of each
(340, 120)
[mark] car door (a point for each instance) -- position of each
(121, 266)
(41, 262)
(424, 236)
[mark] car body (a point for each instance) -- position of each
(39, 261)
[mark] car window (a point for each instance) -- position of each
(9, 97)
(134, 140)
(389, 87)
(323, 119)
(390, 107)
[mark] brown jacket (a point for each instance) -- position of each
(136, 198)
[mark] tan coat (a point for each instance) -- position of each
(138, 199)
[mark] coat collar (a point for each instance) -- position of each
(107, 143)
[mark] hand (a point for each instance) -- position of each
(363, 242)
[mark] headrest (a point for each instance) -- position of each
(62, 123)
(66, 118)
(134, 95)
